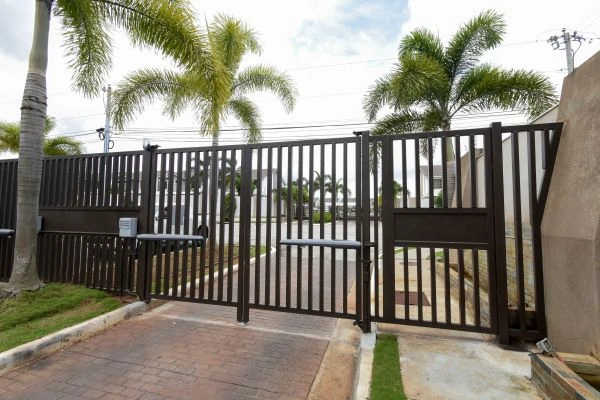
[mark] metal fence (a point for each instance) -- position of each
(440, 252)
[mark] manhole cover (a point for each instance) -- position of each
(413, 298)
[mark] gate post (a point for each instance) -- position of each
(499, 234)
(366, 233)
(146, 223)
(243, 307)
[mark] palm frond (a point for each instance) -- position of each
(482, 33)
(486, 87)
(377, 97)
(263, 77)
(402, 122)
(232, 38)
(9, 136)
(422, 42)
(145, 86)
(249, 116)
(86, 42)
(62, 145)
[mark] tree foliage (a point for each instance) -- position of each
(189, 87)
(53, 146)
(430, 83)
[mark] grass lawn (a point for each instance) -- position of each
(32, 315)
(386, 380)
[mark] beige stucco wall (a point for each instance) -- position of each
(571, 223)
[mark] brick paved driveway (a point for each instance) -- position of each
(183, 351)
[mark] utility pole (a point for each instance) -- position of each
(107, 140)
(565, 40)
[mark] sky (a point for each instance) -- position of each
(334, 50)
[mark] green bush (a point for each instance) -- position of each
(438, 200)
(229, 207)
(326, 217)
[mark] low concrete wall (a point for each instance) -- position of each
(571, 222)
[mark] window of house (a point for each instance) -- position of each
(437, 183)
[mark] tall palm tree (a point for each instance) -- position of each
(54, 146)
(430, 83)
(230, 39)
(166, 25)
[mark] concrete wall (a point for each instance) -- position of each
(571, 223)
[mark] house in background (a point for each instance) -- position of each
(425, 195)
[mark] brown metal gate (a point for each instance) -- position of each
(458, 248)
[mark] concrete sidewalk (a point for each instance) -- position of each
(449, 365)
(184, 351)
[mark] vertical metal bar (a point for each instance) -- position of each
(458, 190)
(406, 279)
(322, 230)
(278, 229)
(433, 279)
(122, 178)
(445, 201)
(387, 194)
(333, 224)
(178, 193)
(473, 170)
(404, 176)
(161, 215)
(430, 170)
(419, 286)
(300, 215)
(257, 266)
(516, 182)
(476, 289)
(185, 263)
(146, 222)
(447, 302)
(205, 192)
(345, 231)
(288, 260)
(231, 229)
(497, 255)
(418, 205)
(311, 203)
(357, 220)
(268, 232)
(128, 184)
(136, 181)
(114, 189)
(366, 244)
(213, 193)
(224, 215)
(245, 229)
(461, 287)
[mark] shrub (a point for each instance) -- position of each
(326, 217)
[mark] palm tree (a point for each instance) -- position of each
(430, 83)
(55, 146)
(230, 39)
(86, 25)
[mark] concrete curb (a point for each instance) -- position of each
(364, 365)
(27, 352)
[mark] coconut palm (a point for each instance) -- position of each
(54, 146)
(230, 40)
(166, 25)
(430, 83)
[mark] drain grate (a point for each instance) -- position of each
(413, 298)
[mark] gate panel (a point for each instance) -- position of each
(81, 200)
(305, 190)
(433, 240)
(196, 192)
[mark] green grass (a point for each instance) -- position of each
(32, 315)
(386, 380)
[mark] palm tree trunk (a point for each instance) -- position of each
(24, 274)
